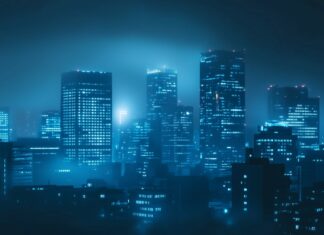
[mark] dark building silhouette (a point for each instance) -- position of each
(312, 167)
(150, 204)
(305, 216)
(93, 202)
(222, 110)
(293, 107)
(249, 153)
(86, 117)
(311, 210)
(258, 188)
(50, 125)
(177, 199)
(5, 168)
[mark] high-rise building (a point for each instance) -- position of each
(171, 124)
(134, 141)
(50, 125)
(86, 117)
(33, 161)
(4, 125)
(222, 110)
(161, 105)
(258, 188)
(293, 107)
(182, 140)
(278, 144)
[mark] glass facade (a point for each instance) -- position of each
(278, 144)
(293, 107)
(134, 141)
(172, 124)
(51, 125)
(4, 125)
(182, 140)
(222, 110)
(86, 116)
(161, 105)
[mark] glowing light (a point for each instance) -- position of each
(122, 114)
(216, 96)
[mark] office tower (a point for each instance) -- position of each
(50, 125)
(125, 151)
(161, 104)
(134, 141)
(134, 146)
(33, 161)
(171, 124)
(182, 140)
(278, 144)
(86, 117)
(122, 126)
(4, 125)
(294, 107)
(258, 187)
(222, 110)
(5, 168)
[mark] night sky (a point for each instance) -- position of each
(39, 39)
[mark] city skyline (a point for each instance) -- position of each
(276, 50)
(161, 117)
(31, 128)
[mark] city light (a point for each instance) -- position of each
(122, 115)
(150, 117)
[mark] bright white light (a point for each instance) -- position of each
(122, 115)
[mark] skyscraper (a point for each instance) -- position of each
(86, 117)
(161, 105)
(182, 139)
(50, 125)
(134, 141)
(278, 144)
(4, 125)
(222, 110)
(293, 107)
